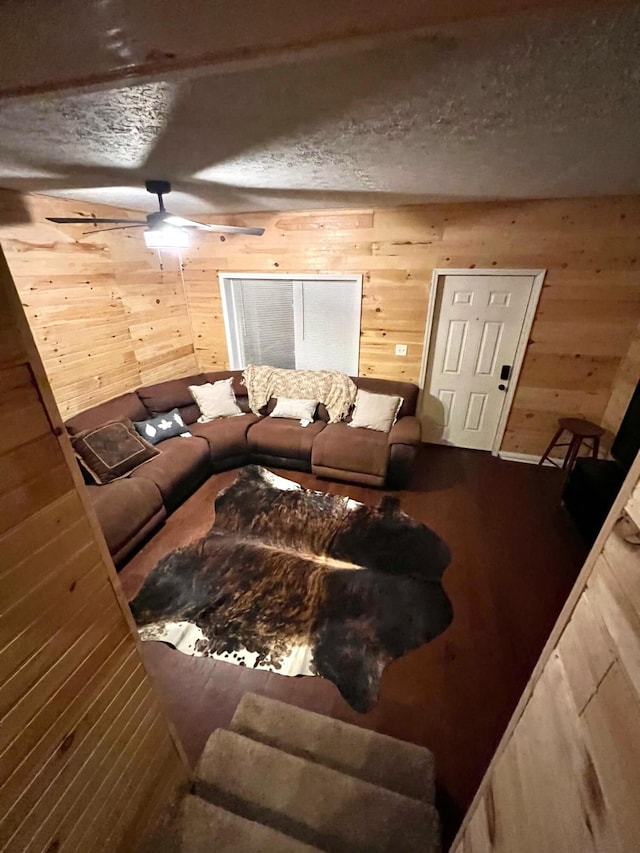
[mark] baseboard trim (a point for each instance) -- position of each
(528, 458)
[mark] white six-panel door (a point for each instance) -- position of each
(476, 328)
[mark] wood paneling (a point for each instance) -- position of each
(588, 311)
(566, 776)
(624, 384)
(84, 744)
(105, 318)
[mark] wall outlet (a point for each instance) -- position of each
(401, 349)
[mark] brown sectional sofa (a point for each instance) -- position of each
(131, 508)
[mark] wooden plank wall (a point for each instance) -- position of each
(105, 318)
(624, 384)
(87, 760)
(566, 777)
(589, 308)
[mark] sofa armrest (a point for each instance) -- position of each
(407, 430)
(404, 440)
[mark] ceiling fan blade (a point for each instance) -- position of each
(115, 228)
(181, 222)
(83, 220)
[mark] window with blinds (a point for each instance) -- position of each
(302, 323)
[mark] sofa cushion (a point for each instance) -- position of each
(125, 406)
(123, 508)
(344, 449)
(407, 390)
(375, 411)
(284, 438)
(240, 390)
(215, 400)
(181, 466)
(112, 450)
(162, 427)
(236, 375)
(321, 413)
(173, 394)
(300, 410)
(226, 437)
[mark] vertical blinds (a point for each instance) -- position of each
(307, 324)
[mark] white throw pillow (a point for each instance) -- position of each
(375, 411)
(301, 410)
(215, 401)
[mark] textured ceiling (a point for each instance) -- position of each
(541, 105)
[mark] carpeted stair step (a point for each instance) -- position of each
(394, 764)
(313, 803)
(207, 828)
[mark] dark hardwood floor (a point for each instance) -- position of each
(515, 558)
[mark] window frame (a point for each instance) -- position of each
(229, 314)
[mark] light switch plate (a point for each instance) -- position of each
(401, 349)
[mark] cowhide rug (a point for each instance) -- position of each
(301, 582)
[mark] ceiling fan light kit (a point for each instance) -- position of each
(166, 237)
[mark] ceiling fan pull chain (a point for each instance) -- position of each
(160, 259)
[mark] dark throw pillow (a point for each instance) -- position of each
(155, 430)
(112, 450)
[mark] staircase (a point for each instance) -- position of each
(286, 780)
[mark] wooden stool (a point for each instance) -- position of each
(580, 430)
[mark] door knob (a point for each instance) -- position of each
(502, 387)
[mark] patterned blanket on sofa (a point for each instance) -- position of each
(330, 387)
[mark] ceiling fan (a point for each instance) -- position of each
(164, 230)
